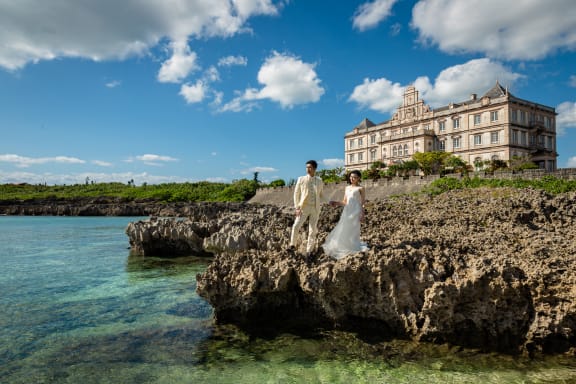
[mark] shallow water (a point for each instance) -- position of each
(76, 308)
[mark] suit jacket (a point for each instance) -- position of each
(301, 192)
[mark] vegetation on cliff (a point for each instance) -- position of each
(240, 190)
(549, 184)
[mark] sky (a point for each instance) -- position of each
(161, 91)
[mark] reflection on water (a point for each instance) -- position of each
(80, 310)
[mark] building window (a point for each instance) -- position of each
(373, 155)
(477, 139)
(494, 137)
(494, 116)
(360, 142)
(514, 115)
(477, 119)
(522, 117)
(426, 127)
(456, 123)
(352, 144)
(351, 158)
(442, 145)
(442, 126)
(394, 151)
(548, 122)
(523, 138)
(405, 149)
(383, 153)
(456, 143)
(372, 139)
(514, 138)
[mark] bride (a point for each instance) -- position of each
(345, 237)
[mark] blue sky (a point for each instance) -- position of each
(173, 90)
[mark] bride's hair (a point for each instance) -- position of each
(354, 172)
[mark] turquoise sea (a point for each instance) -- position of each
(76, 308)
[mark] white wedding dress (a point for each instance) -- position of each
(345, 237)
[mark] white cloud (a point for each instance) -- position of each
(113, 84)
(102, 163)
(573, 81)
(453, 84)
(80, 178)
(333, 163)
(193, 93)
(36, 30)
(379, 94)
(286, 80)
(456, 83)
(258, 169)
(521, 29)
(571, 162)
(25, 162)
(369, 15)
(150, 159)
(229, 61)
(566, 116)
(180, 65)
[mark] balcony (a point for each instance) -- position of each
(407, 135)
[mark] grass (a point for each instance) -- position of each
(550, 184)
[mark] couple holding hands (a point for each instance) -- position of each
(308, 199)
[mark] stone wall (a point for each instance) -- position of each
(282, 196)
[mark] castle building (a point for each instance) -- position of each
(496, 126)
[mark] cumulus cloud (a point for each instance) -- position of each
(180, 65)
(566, 116)
(573, 81)
(518, 30)
(36, 30)
(571, 162)
(229, 61)
(369, 15)
(193, 93)
(25, 162)
(333, 163)
(286, 79)
(453, 84)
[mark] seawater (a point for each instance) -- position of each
(75, 307)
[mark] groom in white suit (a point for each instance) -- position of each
(308, 199)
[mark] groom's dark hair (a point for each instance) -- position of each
(313, 163)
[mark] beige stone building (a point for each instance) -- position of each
(495, 126)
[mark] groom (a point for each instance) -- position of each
(308, 198)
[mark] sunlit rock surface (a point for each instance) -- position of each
(486, 268)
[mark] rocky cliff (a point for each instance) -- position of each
(486, 268)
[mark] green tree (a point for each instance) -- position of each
(431, 162)
(374, 172)
(277, 183)
(456, 164)
(332, 175)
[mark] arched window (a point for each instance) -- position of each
(405, 149)
(394, 151)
